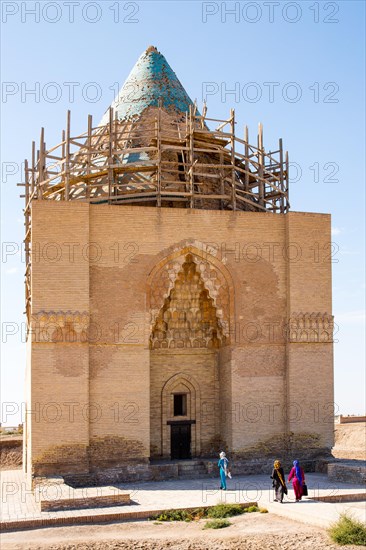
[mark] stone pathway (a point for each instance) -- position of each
(20, 508)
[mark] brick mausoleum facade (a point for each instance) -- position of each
(176, 326)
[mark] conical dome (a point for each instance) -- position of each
(151, 79)
(153, 148)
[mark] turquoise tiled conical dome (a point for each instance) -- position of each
(151, 79)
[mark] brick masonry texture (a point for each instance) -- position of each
(352, 473)
(100, 397)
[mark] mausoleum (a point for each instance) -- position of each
(176, 305)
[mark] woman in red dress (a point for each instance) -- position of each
(298, 479)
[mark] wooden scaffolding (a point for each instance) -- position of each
(158, 163)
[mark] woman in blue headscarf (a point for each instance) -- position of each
(298, 479)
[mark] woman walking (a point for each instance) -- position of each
(298, 479)
(223, 464)
(279, 484)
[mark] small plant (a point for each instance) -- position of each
(225, 511)
(217, 523)
(348, 531)
(253, 509)
(172, 515)
(181, 515)
(198, 513)
(263, 510)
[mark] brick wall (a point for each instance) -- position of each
(270, 267)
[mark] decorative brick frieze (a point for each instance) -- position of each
(60, 326)
(310, 327)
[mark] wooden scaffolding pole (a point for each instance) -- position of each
(246, 154)
(191, 157)
(27, 239)
(282, 199)
(67, 157)
(41, 165)
(158, 145)
(26, 211)
(261, 186)
(63, 145)
(287, 181)
(233, 174)
(63, 153)
(88, 159)
(33, 178)
(222, 178)
(115, 148)
(110, 154)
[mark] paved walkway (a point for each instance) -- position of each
(21, 509)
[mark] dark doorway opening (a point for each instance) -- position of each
(180, 441)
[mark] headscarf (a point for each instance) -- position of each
(223, 462)
(298, 470)
(277, 466)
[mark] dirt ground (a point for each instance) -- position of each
(350, 441)
(11, 452)
(250, 532)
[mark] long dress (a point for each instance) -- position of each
(279, 488)
(297, 483)
(223, 464)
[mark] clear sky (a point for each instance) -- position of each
(297, 67)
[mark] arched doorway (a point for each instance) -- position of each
(184, 366)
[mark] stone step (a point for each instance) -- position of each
(192, 470)
(193, 475)
(191, 466)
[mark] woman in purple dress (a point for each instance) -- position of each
(298, 479)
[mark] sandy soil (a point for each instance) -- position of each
(249, 532)
(11, 452)
(350, 441)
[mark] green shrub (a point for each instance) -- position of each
(171, 515)
(181, 515)
(253, 509)
(225, 511)
(218, 523)
(348, 531)
(216, 512)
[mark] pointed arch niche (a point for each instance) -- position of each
(190, 323)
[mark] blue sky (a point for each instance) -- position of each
(297, 67)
